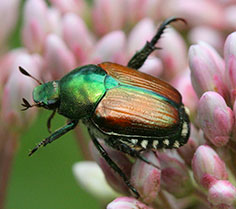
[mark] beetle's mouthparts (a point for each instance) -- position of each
(27, 105)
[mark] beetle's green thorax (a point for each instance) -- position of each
(82, 89)
(47, 94)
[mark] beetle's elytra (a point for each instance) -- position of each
(130, 110)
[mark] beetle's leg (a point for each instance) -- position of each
(50, 119)
(139, 58)
(55, 135)
(134, 153)
(113, 165)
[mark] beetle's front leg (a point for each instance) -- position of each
(113, 164)
(55, 135)
(140, 57)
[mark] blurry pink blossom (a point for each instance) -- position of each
(108, 15)
(207, 70)
(207, 166)
(77, 37)
(215, 118)
(127, 203)
(58, 58)
(110, 47)
(222, 194)
(17, 87)
(9, 10)
(146, 178)
(174, 174)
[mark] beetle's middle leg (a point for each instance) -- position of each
(55, 135)
(113, 164)
(139, 58)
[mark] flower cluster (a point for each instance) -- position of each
(64, 34)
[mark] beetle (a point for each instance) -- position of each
(130, 110)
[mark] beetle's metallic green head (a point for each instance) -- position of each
(47, 95)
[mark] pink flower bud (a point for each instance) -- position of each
(152, 66)
(8, 16)
(230, 15)
(110, 48)
(137, 38)
(198, 12)
(17, 87)
(54, 21)
(174, 174)
(215, 118)
(222, 194)
(58, 58)
(127, 203)
(77, 37)
(146, 178)
(173, 53)
(108, 15)
(6, 62)
(207, 69)
(113, 178)
(230, 62)
(184, 85)
(90, 176)
(35, 26)
(75, 6)
(208, 35)
(195, 140)
(141, 9)
(207, 166)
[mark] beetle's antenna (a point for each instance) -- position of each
(50, 119)
(27, 105)
(24, 72)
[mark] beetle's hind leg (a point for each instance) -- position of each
(123, 147)
(55, 135)
(113, 164)
(139, 58)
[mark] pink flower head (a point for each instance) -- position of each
(207, 166)
(215, 118)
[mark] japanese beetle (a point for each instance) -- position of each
(130, 110)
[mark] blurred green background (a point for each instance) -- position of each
(45, 180)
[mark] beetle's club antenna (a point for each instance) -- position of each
(24, 72)
(25, 103)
